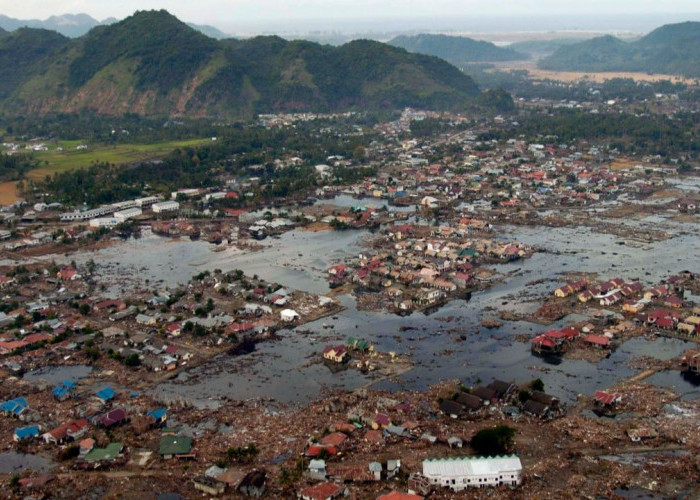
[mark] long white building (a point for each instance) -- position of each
(127, 214)
(87, 214)
(165, 206)
(104, 222)
(473, 472)
(146, 201)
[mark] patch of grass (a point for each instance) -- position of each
(70, 158)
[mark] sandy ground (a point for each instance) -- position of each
(574, 76)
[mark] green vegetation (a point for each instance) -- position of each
(71, 25)
(26, 53)
(153, 64)
(239, 150)
(240, 455)
(538, 48)
(519, 84)
(339, 225)
(168, 51)
(13, 167)
(457, 50)
(70, 158)
(497, 99)
(494, 441)
(627, 133)
(132, 360)
(671, 49)
(92, 352)
(537, 385)
(69, 452)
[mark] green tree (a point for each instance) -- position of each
(493, 441)
(132, 360)
(523, 396)
(92, 352)
(537, 385)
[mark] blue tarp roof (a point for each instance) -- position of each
(106, 393)
(59, 391)
(157, 414)
(63, 388)
(25, 432)
(16, 406)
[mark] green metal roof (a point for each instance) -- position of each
(103, 454)
(175, 445)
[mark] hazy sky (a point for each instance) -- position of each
(230, 13)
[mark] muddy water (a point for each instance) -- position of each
(15, 463)
(297, 259)
(277, 369)
(57, 374)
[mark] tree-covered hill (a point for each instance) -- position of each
(457, 50)
(671, 49)
(24, 54)
(151, 63)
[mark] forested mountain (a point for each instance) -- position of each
(541, 48)
(151, 63)
(671, 49)
(71, 25)
(75, 25)
(24, 53)
(457, 50)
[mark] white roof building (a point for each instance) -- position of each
(165, 206)
(124, 215)
(289, 315)
(104, 222)
(185, 192)
(146, 201)
(461, 473)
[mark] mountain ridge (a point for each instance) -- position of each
(670, 49)
(151, 63)
(76, 25)
(457, 50)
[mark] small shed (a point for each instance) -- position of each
(289, 315)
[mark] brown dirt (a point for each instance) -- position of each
(316, 227)
(624, 164)
(575, 76)
(8, 193)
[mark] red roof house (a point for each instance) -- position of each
(597, 340)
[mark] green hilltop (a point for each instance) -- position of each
(457, 50)
(671, 49)
(153, 64)
(24, 53)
